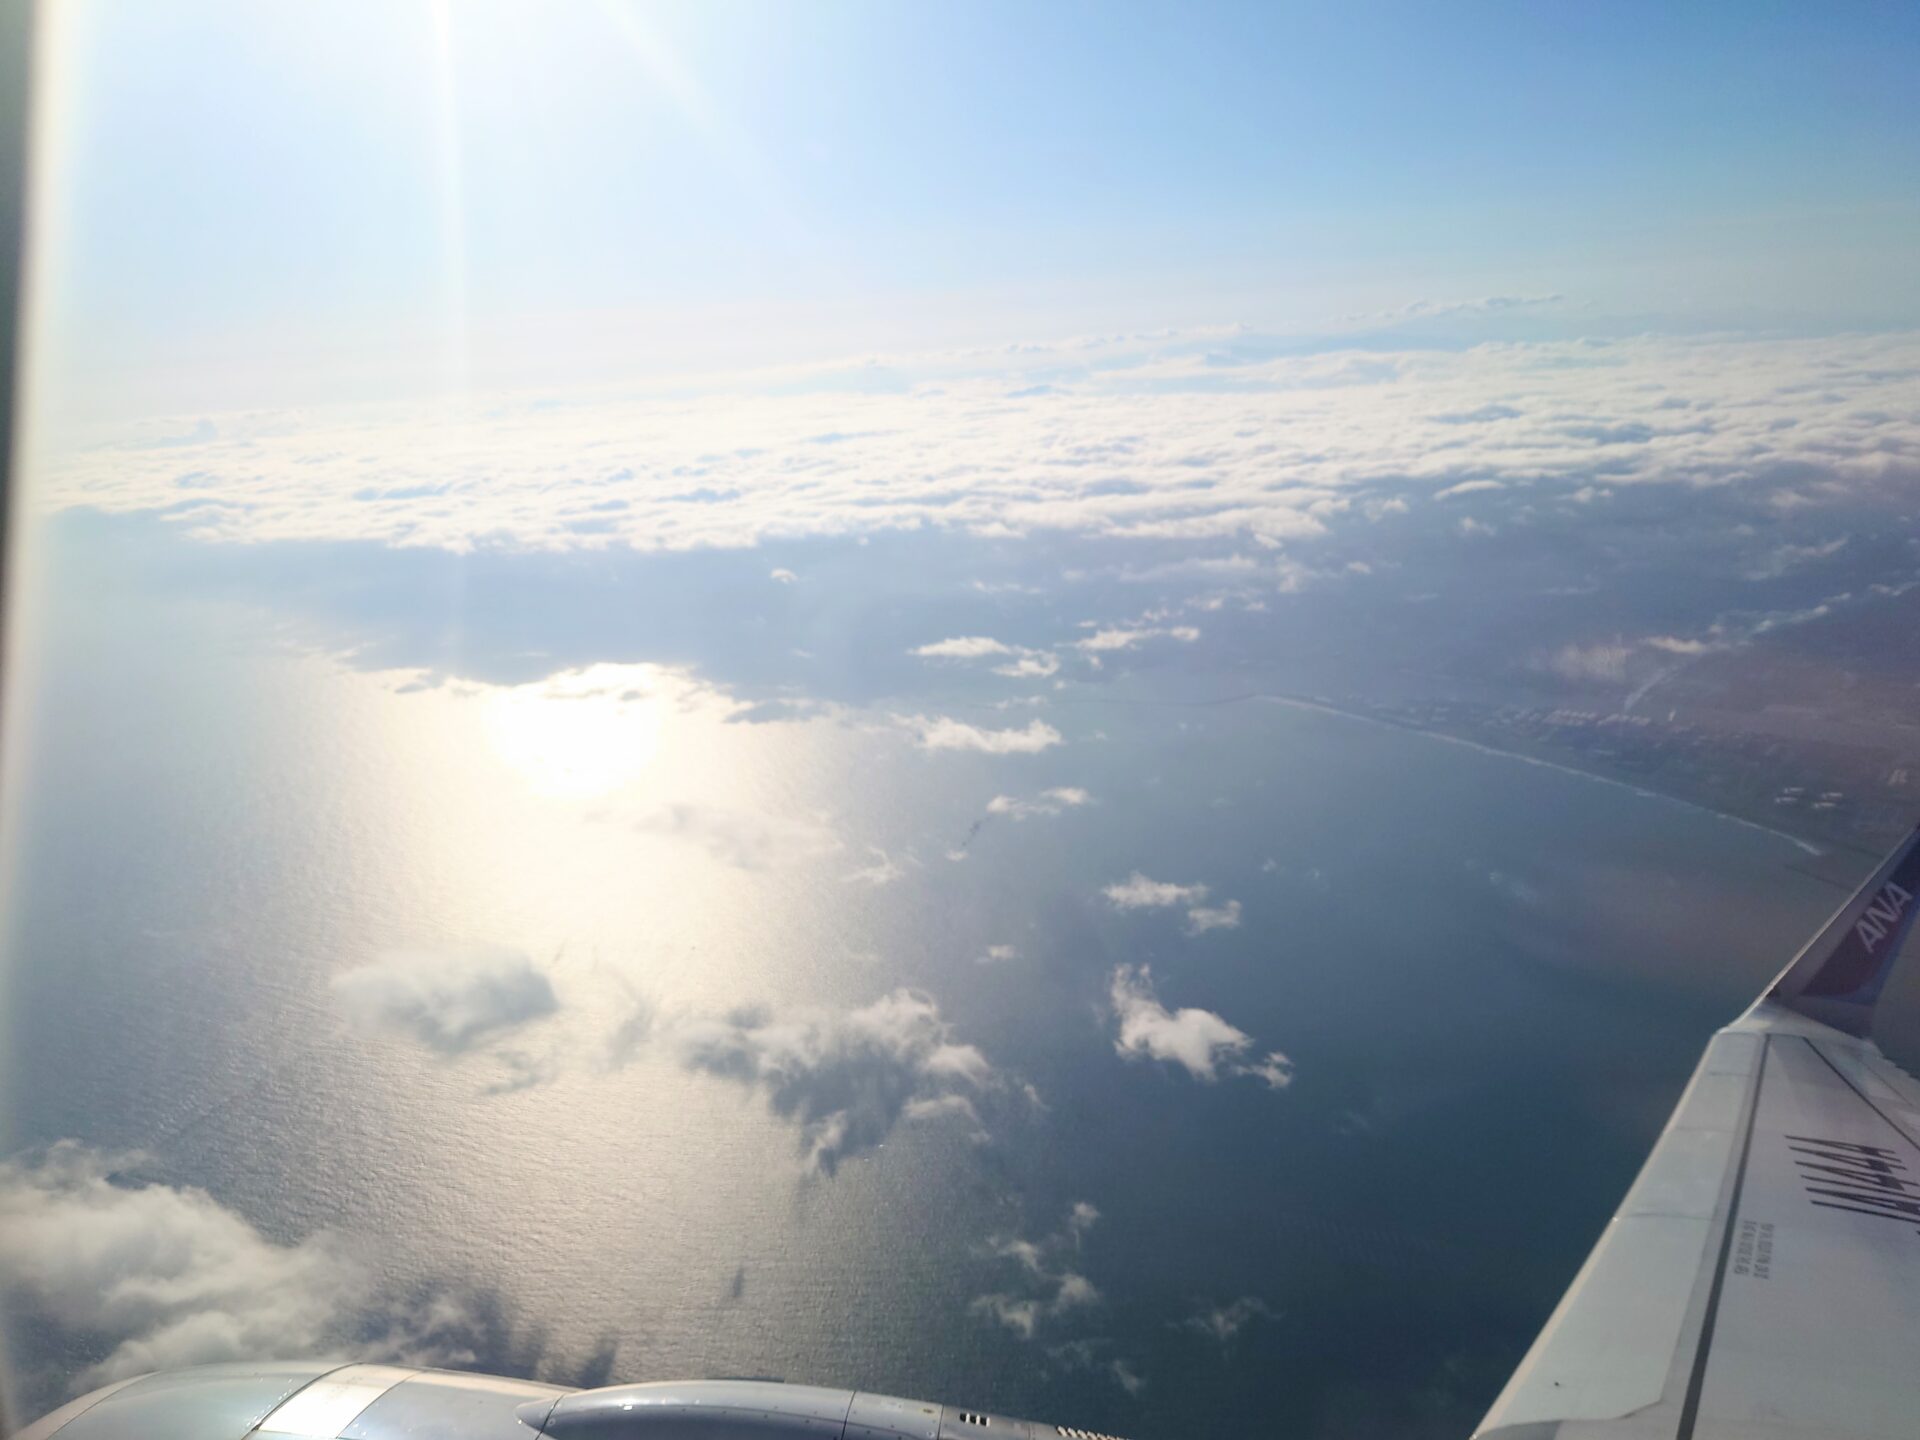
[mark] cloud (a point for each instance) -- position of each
(943, 733)
(1137, 892)
(1202, 918)
(883, 871)
(1050, 802)
(1224, 1322)
(1704, 413)
(1275, 1070)
(1678, 645)
(1032, 665)
(141, 1276)
(1025, 664)
(1198, 1041)
(963, 647)
(1045, 1284)
(450, 1000)
(999, 954)
(1602, 663)
(1090, 1355)
(747, 839)
(846, 1078)
(1468, 487)
(1124, 638)
(782, 576)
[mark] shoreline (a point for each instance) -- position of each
(1807, 847)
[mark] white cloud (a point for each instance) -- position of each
(1678, 645)
(883, 871)
(1090, 1355)
(1759, 415)
(1224, 1322)
(964, 647)
(1604, 662)
(748, 839)
(1032, 665)
(450, 1000)
(1203, 918)
(846, 1078)
(1198, 1041)
(1045, 1283)
(1050, 802)
(1467, 487)
(941, 732)
(1025, 664)
(1126, 638)
(140, 1276)
(999, 954)
(782, 576)
(1275, 1070)
(1785, 559)
(1137, 892)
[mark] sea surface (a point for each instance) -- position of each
(1489, 980)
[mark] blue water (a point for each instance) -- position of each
(1492, 979)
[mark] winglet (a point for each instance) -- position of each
(1838, 977)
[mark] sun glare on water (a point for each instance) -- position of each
(579, 735)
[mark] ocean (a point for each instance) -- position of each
(805, 1048)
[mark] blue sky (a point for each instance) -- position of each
(666, 185)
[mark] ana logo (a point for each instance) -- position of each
(1879, 918)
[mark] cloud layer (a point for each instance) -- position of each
(1179, 439)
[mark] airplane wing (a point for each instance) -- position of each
(1762, 1277)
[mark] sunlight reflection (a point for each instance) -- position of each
(581, 734)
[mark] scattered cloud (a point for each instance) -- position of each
(138, 1275)
(1203, 918)
(883, 871)
(1137, 892)
(782, 576)
(1091, 1355)
(1050, 802)
(1022, 663)
(450, 1000)
(963, 647)
(944, 733)
(1031, 665)
(846, 1078)
(1124, 638)
(1224, 1322)
(999, 954)
(1199, 1041)
(1045, 1282)
(1604, 663)
(748, 839)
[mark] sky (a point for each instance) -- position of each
(266, 204)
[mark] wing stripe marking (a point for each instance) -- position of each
(1696, 1381)
(1914, 1144)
